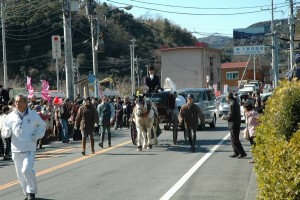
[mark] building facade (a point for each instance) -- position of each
(191, 67)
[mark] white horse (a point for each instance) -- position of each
(145, 119)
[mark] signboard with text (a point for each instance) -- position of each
(247, 41)
(56, 47)
(249, 50)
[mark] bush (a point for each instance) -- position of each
(277, 150)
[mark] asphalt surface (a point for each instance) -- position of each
(167, 171)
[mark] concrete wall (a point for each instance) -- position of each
(188, 67)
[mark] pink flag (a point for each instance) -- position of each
(45, 91)
(29, 87)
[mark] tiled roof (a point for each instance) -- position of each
(234, 65)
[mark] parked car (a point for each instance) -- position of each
(222, 105)
(206, 100)
(265, 96)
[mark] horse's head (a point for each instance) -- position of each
(141, 105)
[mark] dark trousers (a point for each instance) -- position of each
(251, 140)
(43, 140)
(235, 141)
(119, 122)
(126, 121)
(6, 148)
(103, 130)
(192, 138)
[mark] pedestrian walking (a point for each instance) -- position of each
(105, 120)
(234, 125)
(119, 113)
(251, 123)
(189, 114)
(25, 127)
(5, 142)
(64, 113)
(127, 111)
(86, 119)
(45, 118)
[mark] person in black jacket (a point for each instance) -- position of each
(152, 82)
(234, 124)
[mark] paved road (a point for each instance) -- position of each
(166, 172)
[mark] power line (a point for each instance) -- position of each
(204, 8)
(196, 14)
(26, 35)
(34, 37)
(35, 25)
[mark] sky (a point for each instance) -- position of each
(207, 17)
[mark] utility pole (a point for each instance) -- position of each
(132, 66)
(137, 72)
(292, 31)
(254, 70)
(94, 35)
(4, 45)
(68, 49)
(274, 50)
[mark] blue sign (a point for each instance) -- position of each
(91, 78)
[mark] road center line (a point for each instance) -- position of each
(46, 171)
(187, 175)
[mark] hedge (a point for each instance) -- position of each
(277, 150)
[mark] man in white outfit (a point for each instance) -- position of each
(26, 127)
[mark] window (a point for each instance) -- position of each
(211, 61)
(210, 95)
(232, 75)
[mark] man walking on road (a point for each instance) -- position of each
(86, 119)
(189, 113)
(234, 124)
(26, 127)
(105, 120)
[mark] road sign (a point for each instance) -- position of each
(56, 47)
(91, 78)
(249, 50)
(249, 41)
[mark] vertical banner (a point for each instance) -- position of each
(29, 87)
(45, 91)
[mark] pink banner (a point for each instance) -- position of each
(45, 91)
(29, 87)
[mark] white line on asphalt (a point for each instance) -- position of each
(187, 175)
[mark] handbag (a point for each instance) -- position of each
(246, 134)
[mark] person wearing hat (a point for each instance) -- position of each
(234, 123)
(189, 114)
(86, 119)
(152, 82)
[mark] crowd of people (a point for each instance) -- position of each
(71, 119)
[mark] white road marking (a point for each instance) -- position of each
(187, 175)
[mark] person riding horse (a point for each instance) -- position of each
(152, 82)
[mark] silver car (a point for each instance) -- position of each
(222, 105)
(206, 100)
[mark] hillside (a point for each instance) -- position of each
(216, 41)
(225, 43)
